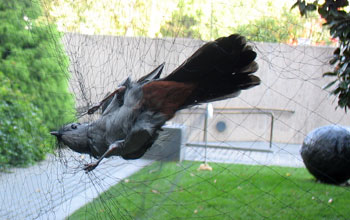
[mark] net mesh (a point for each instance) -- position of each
(264, 126)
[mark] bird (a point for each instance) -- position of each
(133, 115)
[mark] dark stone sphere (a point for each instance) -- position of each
(326, 154)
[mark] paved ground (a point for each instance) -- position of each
(57, 187)
(256, 153)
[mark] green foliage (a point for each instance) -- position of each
(23, 136)
(34, 87)
(113, 17)
(283, 28)
(262, 20)
(265, 29)
(230, 191)
(184, 22)
(337, 20)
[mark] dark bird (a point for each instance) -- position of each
(133, 115)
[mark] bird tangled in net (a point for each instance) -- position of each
(133, 115)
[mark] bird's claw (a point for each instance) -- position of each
(90, 166)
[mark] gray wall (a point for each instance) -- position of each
(291, 86)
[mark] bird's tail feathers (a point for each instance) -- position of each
(220, 69)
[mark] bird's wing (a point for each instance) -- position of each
(142, 134)
(153, 75)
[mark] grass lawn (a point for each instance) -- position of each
(179, 191)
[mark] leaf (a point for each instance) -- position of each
(302, 7)
(205, 166)
(342, 102)
(323, 12)
(310, 7)
(330, 84)
(329, 74)
(155, 191)
(333, 32)
(336, 91)
(341, 3)
(295, 4)
(343, 68)
(343, 85)
(333, 60)
(336, 51)
(346, 74)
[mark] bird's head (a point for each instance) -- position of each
(74, 136)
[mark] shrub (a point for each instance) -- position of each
(23, 137)
(34, 90)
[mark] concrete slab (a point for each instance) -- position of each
(58, 186)
(255, 153)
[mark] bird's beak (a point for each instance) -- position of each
(56, 133)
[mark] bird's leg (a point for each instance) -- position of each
(95, 107)
(114, 146)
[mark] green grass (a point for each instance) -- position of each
(179, 191)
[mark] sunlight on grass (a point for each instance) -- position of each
(180, 191)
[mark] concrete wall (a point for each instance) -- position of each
(291, 86)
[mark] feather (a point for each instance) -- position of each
(133, 115)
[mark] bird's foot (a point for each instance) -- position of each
(90, 166)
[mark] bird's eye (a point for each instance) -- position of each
(73, 126)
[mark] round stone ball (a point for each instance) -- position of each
(326, 154)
